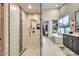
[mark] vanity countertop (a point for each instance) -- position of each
(74, 34)
(57, 35)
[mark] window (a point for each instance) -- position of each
(64, 25)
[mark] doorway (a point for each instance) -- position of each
(45, 28)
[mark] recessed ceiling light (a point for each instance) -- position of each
(56, 5)
(29, 6)
(13, 8)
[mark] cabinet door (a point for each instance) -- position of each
(65, 40)
(74, 44)
(77, 45)
(70, 41)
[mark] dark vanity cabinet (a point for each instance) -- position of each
(71, 42)
(65, 41)
(76, 45)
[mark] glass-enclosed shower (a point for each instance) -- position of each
(23, 29)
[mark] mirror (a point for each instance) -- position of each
(77, 20)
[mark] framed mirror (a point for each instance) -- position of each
(77, 21)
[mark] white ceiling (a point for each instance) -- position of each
(36, 6)
(51, 5)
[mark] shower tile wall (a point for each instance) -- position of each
(31, 40)
(14, 29)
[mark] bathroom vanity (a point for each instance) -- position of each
(71, 41)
